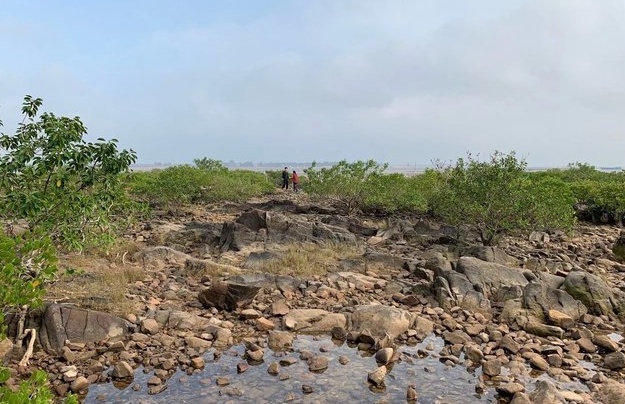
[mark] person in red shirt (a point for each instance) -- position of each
(295, 181)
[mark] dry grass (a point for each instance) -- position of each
(95, 283)
(306, 259)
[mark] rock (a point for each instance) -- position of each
(491, 367)
(198, 343)
(307, 388)
(488, 276)
(227, 295)
(520, 398)
(279, 340)
(279, 308)
(510, 389)
(456, 337)
(615, 360)
(474, 353)
(384, 355)
(411, 394)
(242, 367)
(313, 320)
(264, 324)
(612, 392)
(422, 326)
(62, 322)
(537, 361)
(6, 347)
(509, 344)
(618, 248)
(605, 342)
(546, 393)
(250, 314)
(543, 330)
(222, 381)
(586, 345)
(122, 370)
(317, 363)
(150, 326)
(197, 363)
(379, 325)
(560, 319)
(256, 356)
(377, 376)
(591, 290)
(81, 383)
(343, 360)
(160, 257)
(274, 368)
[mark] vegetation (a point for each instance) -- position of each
(35, 390)
(56, 190)
(499, 197)
(60, 184)
(208, 182)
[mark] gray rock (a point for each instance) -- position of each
(546, 393)
(615, 360)
(491, 367)
(228, 295)
(279, 340)
(317, 363)
(122, 370)
(384, 355)
(379, 325)
(313, 321)
(591, 290)
(377, 376)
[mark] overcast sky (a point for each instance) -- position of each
(398, 81)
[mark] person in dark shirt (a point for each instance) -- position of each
(285, 178)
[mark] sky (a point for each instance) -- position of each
(406, 82)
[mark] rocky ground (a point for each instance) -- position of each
(544, 305)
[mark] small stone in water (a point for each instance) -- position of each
(223, 381)
(274, 368)
(411, 394)
(343, 360)
(242, 367)
(307, 388)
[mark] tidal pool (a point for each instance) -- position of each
(434, 381)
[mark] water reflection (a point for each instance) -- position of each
(433, 381)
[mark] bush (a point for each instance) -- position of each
(26, 264)
(497, 196)
(184, 184)
(391, 193)
(344, 183)
(35, 390)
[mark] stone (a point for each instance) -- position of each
(264, 324)
(560, 319)
(64, 322)
(197, 363)
(384, 355)
(612, 392)
(228, 295)
(615, 360)
(546, 393)
(122, 370)
(256, 356)
(150, 326)
(378, 324)
(280, 308)
(198, 343)
(274, 368)
(242, 367)
(317, 363)
(510, 389)
(80, 384)
(586, 345)
(474, 353)
(605, 342)
(313, 321)
(279, 340)
(509, 344)
(250, 314)
(491, 367)
(6, 347)
(543, 330)
(377, 376)
(411, 394)
(538, 362)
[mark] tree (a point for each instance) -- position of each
(57, 182)
(345, 183)
(497, 196)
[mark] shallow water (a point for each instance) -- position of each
(434, 382)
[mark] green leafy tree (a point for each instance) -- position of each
(210, 164)
(497, 196)
(59, 183)
(344, 183)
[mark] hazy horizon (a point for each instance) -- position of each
(403, 82)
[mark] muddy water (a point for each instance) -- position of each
(434, 382)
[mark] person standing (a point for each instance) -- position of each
(295, 181)
(285, 178)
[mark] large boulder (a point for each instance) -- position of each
(539, 299)
(489, 277)
(591, 290)
(60, 323)
(378, 324)
(283, 283)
